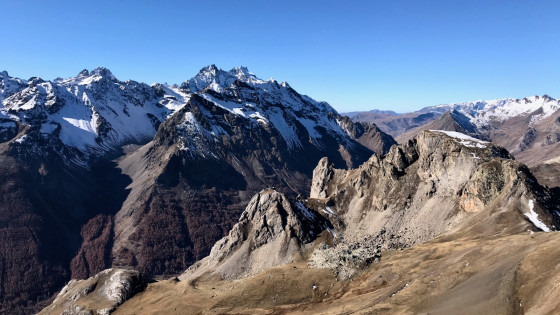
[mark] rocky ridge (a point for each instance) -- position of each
(439, 183)
(222, 147)
(273, 230)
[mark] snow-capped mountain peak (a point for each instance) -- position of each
(92, 112)
(9, 85)
(265, 102)
(103, 72)
(217, 79)
(83, 73)
(96, 113)
(86, 77)
(243, 74)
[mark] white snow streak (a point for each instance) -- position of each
(534, 218)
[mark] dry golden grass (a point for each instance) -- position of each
(497, 275)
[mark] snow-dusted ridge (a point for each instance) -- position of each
(482, 112)
(94, 112)
(266, 103)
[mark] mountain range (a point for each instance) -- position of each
(445, 223)
(232, 194)
(98, 172)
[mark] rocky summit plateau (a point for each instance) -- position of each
(229, 194)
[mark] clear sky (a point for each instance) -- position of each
(356, 55)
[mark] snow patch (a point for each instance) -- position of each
(305, 211)
(329, 210)
(259, 117)
(82, 124)
(464, 139)
(333, 233)
(288, 133)
(534, 218)
(21, 139)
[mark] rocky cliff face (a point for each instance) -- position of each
(441, 183)
(454, 201)
(368, 134)
(44, 204)
(273, 230)
(437, 183)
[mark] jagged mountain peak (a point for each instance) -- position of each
(241, 71)
(97, 113)
(218, 80)
(103, 72)
(87, 77)
(213, 70)
(83, 73)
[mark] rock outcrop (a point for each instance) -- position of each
(368, 134)
(442, 211)
(438, 183)
(273, 230)
(99, 295)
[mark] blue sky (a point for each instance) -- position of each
(356, 55)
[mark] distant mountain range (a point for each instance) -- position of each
(529, 128)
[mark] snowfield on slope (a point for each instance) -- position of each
(534, 218)
(464, 139)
